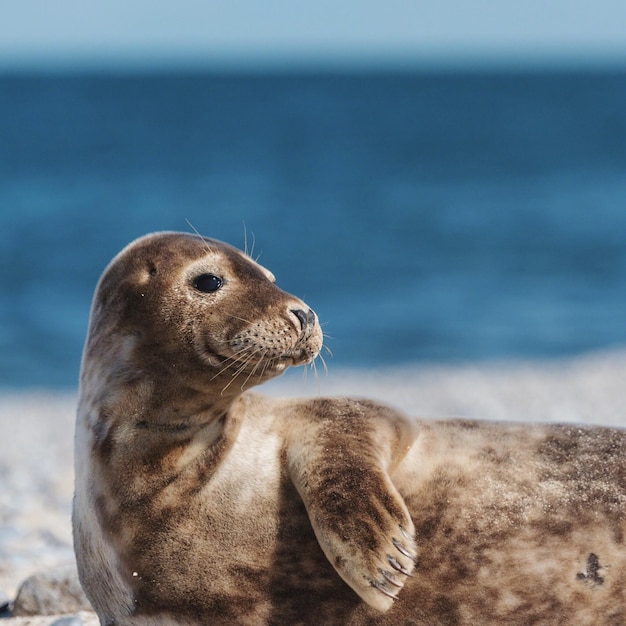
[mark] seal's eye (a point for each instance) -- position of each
(207, 283)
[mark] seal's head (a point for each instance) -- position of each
(179, 308)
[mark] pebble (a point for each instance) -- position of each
(5, 604)
(51, 592)
(70, 620)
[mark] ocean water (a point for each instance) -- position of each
(431, 217)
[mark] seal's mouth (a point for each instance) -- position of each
(270, 362)
(293, 358)
(259, 353)
(258, 361)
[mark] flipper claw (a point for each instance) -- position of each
(402, 549)
(398, 566)
(390, 578)
(380, 587)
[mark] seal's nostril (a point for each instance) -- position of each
(302, 316)
(306, 318)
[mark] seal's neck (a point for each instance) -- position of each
(141, 445)
(162, 413)
(174, 407)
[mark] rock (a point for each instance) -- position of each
(52, 592)
(5, 604)
(70, 620)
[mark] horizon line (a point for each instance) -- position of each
(132, 62)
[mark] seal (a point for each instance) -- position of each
(198, 501)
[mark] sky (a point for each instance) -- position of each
(45, 32)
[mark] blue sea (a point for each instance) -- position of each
(430, 217)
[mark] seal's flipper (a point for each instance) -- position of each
(339, 461)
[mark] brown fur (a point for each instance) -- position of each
(199, 502)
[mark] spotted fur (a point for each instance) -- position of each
(199, 502)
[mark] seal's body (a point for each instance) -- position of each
(200, 502)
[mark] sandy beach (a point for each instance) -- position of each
(36, 463)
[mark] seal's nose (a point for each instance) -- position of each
(306, 318)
